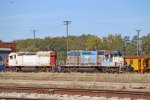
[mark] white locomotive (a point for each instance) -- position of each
(43, 60)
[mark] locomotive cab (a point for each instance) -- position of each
(12, 59)
(112, 59)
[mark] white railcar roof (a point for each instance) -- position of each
(12, 53)
(44, 53)
(39, 53)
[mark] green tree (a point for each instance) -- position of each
(113, 42)
(146, 44)
(92, 42)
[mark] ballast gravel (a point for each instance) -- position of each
(57, 97)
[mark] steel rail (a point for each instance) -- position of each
(20, 98)
(82, 92)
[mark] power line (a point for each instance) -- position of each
(67, 23)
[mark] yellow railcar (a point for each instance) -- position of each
(139, 63)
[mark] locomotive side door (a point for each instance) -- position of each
(53, 56)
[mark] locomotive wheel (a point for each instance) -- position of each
(76, 69)
(72, 69)
(19, 69)
(104, 70)
(96, 69)
(54, 69)
(68, 69)
(64, 69)
(41, 69)
(7, 68)
(44, 69)
(13, 69)
(125, 69)
(36, 69)
(111, 70)
(48, 69)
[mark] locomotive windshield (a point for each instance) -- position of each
(116, 53)
(73, 53)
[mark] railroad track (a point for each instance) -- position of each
(82, 92)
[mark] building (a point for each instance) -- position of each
(5, 49)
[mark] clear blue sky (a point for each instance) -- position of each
(97, 17)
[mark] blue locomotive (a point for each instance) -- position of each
(99, 60)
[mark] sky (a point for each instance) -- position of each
(97, 17)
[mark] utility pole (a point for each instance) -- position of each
(67, 23)
(138, 33)
(34, 32)
(126, 41)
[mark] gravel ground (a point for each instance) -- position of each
(88, 77)
(77, 85)
(131, 82)
(58, 97)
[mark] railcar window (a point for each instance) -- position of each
(116, 53)
(73, 54)
(86, 53)
(31, 53)
(15, 56)
(21, 54)
(131, 61)
(100, 52)
(106, 56)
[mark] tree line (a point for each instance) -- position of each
(126, 44)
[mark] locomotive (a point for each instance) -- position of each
(98, 61)
(40, 61)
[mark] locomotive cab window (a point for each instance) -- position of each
(131, 61)
(100, 52)
(15, 56)
(11, 57)
(106, 56)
